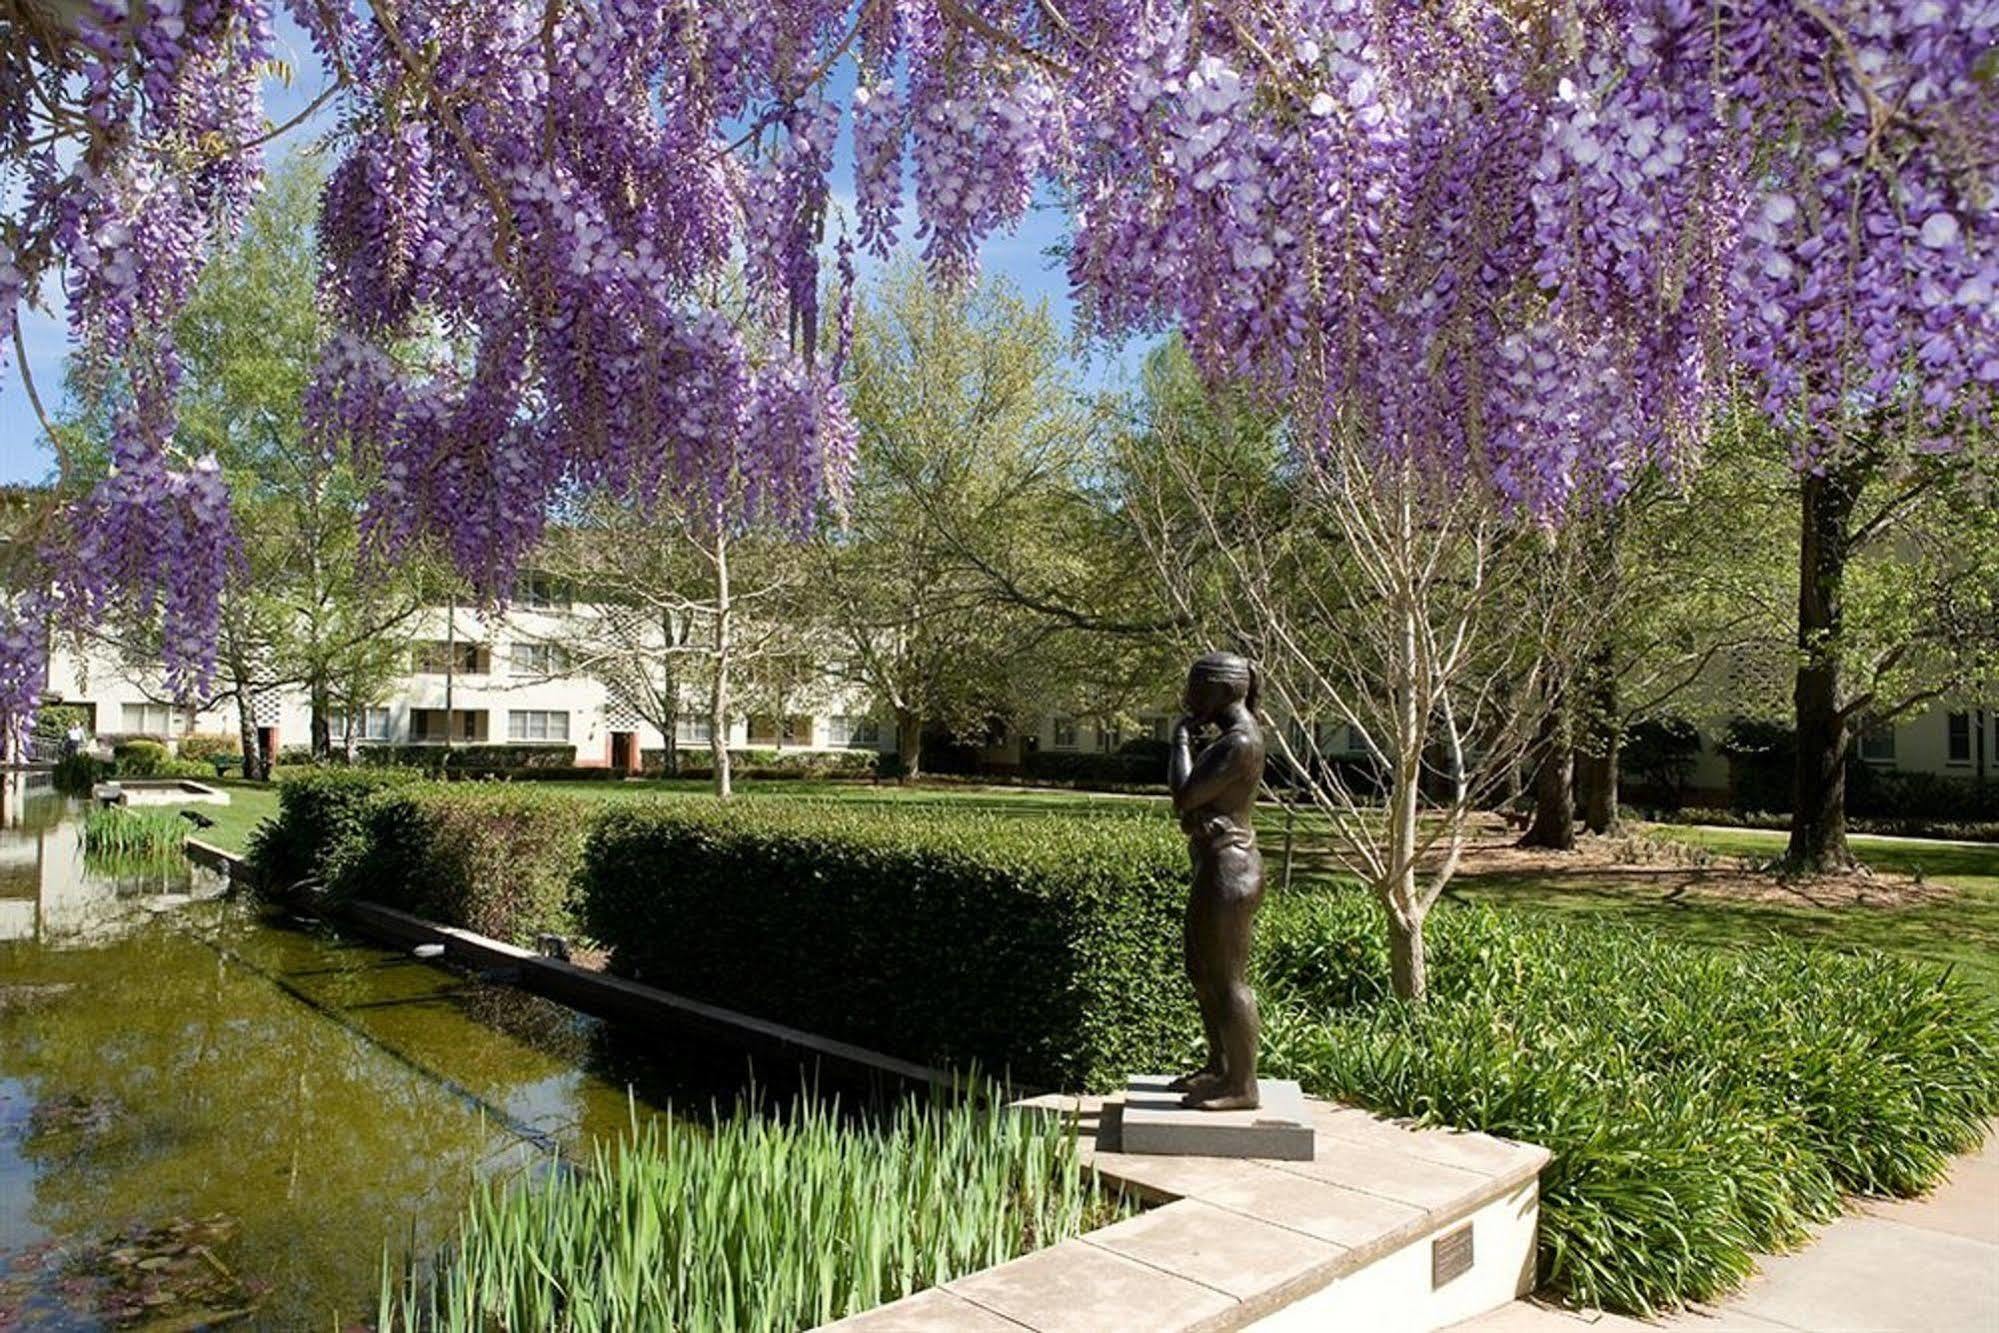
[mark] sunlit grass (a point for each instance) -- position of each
(754, 1223)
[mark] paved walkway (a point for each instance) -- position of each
(1926, 1265)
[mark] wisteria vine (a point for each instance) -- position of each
(582, 243)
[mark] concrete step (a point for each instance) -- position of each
(1387, 1228)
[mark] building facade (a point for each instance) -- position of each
(472, 679)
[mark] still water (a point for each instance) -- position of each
(210, 1114)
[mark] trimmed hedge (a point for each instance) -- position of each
(1045, 947)
(1912, 826)
(1085, 768)
(483, 757)
(319, 826)
(487, 857)
(1703, 1104)
(769, 764)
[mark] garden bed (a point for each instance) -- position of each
(1704, 1103)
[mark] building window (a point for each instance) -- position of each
(540, 592)
(466, 724)
(694, 731)
(1957, 728)
(539, 659)
(537, 724)
(150, 719)
(1877, 745)
(853, 731)
(375, 724)
(1065, 733)
(1153, 727)
(435, 657)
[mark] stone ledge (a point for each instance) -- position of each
(1235, 1241)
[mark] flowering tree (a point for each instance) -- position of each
(1512, 245)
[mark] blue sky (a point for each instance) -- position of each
(1020, 257)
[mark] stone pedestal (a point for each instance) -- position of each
(1154, 1121)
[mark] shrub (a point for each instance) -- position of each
(489, 858)
(1703, 1104)
(1907, 826)
(483, 757)
(1087, 769)
(78, 773)
(202, 749)
(769, 764)
(140, 758)
(1658, 758)
(1048, 947)
(318, 827)
(1761, 759)
(540, 774)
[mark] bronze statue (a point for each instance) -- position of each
(1214, 795)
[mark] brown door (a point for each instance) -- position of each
(624, 750)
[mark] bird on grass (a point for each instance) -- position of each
(198, 819)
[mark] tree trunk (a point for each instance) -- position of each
(322, 724)
(1407, 972)
(1554, 823)
(909, 743)
(1600, 777)
(1818, 791)
(1407, 967)
(246, 728)
(718, 696)
(1599, 770)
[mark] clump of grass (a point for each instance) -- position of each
(116, 831)
(1703, 1104)
(753, 1223)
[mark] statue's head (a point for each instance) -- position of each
(1217, 680)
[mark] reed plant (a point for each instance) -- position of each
(114, 831)
(755, 1222)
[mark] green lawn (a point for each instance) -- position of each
(250, 803)
(1962, 931)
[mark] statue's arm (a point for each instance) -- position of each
(1200, 780)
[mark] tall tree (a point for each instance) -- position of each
(969, 423)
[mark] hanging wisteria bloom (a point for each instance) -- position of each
(1529, 246)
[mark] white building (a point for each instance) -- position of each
(478, 679)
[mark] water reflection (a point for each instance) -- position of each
(212, 1079)
(48, 892)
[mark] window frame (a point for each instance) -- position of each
(523, 722)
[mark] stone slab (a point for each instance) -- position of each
(1155, 1123)
(1220, 1249)
(932, 1311)
(1077, 1287)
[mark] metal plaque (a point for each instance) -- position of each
(1450, 1256)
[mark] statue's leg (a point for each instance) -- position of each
(1237, 1023)
(1200, 975)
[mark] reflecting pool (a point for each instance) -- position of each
(211, 1114)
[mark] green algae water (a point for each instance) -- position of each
(213, 1116)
